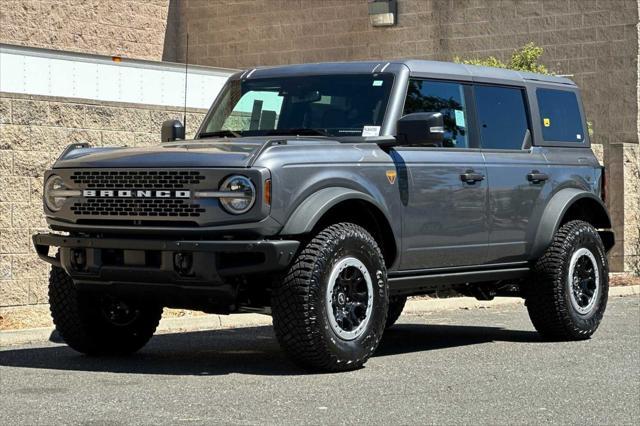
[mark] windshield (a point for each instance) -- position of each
(328, 105)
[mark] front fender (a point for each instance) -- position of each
(555, 212)
(311, 210)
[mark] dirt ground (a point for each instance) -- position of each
(36, 316)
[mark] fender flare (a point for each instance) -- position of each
(554, 213)
(310, 211)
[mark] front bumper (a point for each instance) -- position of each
(165, 266)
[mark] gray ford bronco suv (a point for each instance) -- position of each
(325, 195)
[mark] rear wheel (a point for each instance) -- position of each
(99, 324)
(568, 295)
(329, 312)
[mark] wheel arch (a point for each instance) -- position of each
(330, 205)
(572, 204)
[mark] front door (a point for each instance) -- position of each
(444, 222)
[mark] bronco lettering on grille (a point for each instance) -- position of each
(132, 193)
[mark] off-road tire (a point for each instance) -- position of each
(79, 319)
(548, 297)
(300, 318)
(396, 305)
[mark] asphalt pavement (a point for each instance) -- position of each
(476, 366)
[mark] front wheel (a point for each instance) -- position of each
(396, 305)
(568, 295)
(96, 323)
(330, 310)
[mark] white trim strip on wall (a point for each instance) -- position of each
(35, 71)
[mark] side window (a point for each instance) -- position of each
(560, 116)
(502, 117)
(444, 97)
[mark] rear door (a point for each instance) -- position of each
(444, 215)
(518, 174)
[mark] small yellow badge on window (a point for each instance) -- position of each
(546, 122)
(391, 176)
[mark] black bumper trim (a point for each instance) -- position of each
(267, 226)
(277, 253)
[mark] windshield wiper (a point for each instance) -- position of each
(304, 131)
(230, 133)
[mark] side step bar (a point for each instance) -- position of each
(400, 284)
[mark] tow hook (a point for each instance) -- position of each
(182, 263)
(78, 259)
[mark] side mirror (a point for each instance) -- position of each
(421, 128)
(171, 130)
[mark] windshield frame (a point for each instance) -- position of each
(397, 72)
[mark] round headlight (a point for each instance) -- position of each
(54, 195)
(246, 194)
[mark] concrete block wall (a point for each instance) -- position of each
(596, 41)
(593, 41)
(631, 164)
(130, 28)
(33, 132)
(632, 253)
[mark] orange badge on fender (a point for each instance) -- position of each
(391, 175)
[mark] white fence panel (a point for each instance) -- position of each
(66, 74)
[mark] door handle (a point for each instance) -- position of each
(471, 177)
(536, 177)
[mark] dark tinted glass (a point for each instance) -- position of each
(447, 98)
(560, 116)
(502, 117)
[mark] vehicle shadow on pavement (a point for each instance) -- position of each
(408, 338)
(245, 351)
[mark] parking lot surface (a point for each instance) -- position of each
(475, 366)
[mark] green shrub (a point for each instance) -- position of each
(523, 59)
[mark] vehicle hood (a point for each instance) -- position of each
(190, 153)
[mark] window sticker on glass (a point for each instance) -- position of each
(579, 136)
(377, 83)
(459, 114)
(546, 122)
(371, 131)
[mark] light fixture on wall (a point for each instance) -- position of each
(383, 13)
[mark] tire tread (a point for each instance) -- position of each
(547, 299)
(75, 318)
(294, 316)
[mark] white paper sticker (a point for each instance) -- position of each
(460, 118)
(377, 83)
(371, 131)
(579, 136)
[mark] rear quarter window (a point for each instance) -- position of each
(560, 116)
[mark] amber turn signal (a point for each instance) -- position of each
(267, 192)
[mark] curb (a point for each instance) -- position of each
(217, 322)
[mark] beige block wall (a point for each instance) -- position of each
(130, 28)
(631, 158)
(594, 41)
(33, 132)
(632, 222)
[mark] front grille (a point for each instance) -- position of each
(137, 179)
(147, 207)
(150, 197)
